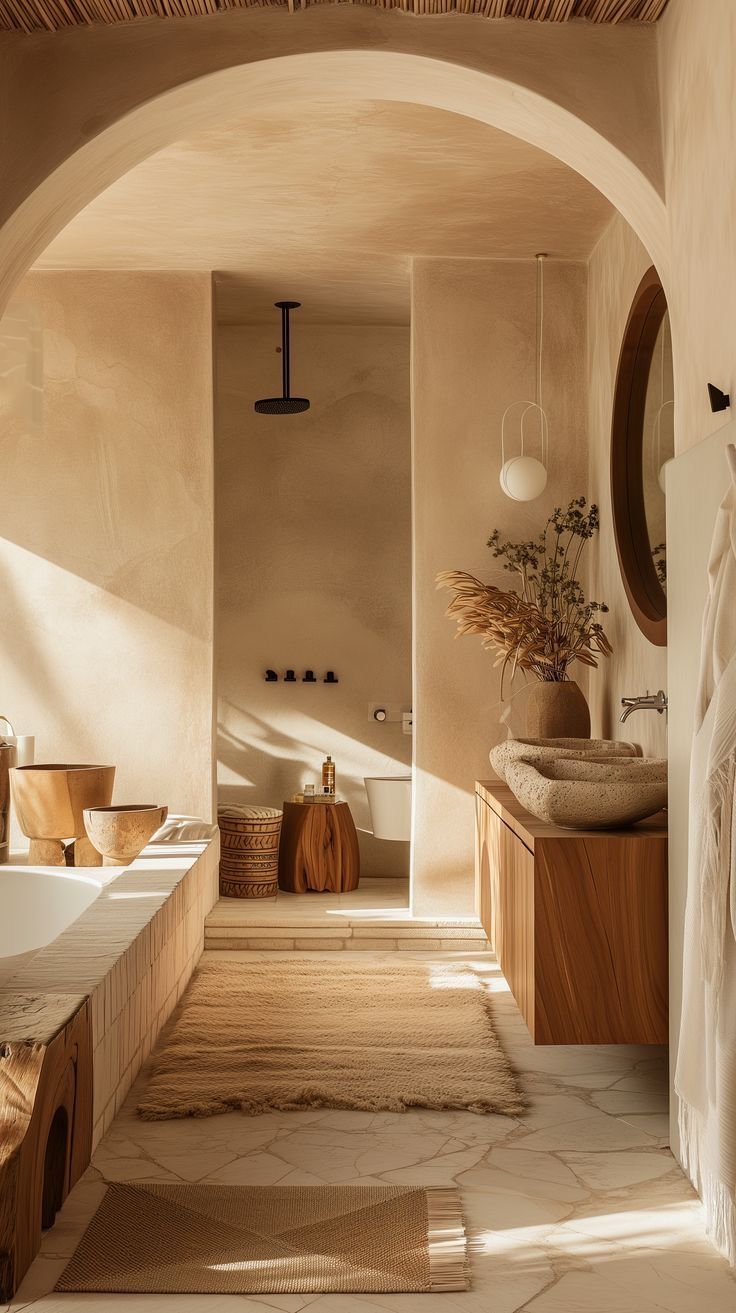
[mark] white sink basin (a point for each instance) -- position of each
(389, 799)
(590, 795)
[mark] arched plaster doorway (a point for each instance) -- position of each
(148, 122)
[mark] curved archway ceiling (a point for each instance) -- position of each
(331, 205)
(51, 15)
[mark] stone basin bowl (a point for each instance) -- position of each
(541, 750)
(50, 799)
(121, 833)
(590, 795)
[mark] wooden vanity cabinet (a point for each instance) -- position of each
(578, 921)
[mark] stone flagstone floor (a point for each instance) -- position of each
(576, 1207)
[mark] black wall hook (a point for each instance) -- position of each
(718, 400)
(309, 677)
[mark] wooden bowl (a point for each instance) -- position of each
(121, 833)
(50, 799)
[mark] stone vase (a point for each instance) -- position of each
(557, 711)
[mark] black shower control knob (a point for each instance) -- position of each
(309, 677)
(271, 677)
(290, 677)
(331, 678)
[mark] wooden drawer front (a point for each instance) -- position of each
(601, 941)
(506, 871)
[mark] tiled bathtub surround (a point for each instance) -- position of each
(132, 953)
(575, 1207)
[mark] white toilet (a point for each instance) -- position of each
(389, 799)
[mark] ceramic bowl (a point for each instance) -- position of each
(120, 833)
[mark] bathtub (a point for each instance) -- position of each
(36, 904)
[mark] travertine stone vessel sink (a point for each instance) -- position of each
(590, 795)
(50, 802)
(540, 750)
(121, 833)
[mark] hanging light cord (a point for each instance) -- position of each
(540, 326)
(537, 404)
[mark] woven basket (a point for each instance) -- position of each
(249, 851)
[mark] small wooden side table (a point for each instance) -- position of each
(319, 848)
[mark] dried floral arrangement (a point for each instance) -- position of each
(548, 624)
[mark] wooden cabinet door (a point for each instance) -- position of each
(516, 901)
(483, 846)
(505, 885)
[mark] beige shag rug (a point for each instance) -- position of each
(296, 1033)
(249, 1240)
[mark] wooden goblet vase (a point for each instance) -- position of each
(50, 803)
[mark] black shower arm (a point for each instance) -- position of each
(285, 351)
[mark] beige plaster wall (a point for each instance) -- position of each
(107, 554)
(472, 354)
(616, 268)
(314, 565)
(697, 69)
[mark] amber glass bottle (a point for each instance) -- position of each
(328, 776)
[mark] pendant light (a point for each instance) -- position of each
(286, 404)
(524, 477)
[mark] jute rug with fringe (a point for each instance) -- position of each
(297, 1033)
(249, 1240)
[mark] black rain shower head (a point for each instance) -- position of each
(285, 405)
(281, 405)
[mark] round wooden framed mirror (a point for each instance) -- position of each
(642, 441)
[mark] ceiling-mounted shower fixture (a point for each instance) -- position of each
(286, 404)
(524, 477)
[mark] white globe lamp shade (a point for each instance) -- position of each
(523, 478)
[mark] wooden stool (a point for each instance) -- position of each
(249, 851)
(319, 848)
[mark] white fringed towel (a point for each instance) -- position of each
(705, 1079)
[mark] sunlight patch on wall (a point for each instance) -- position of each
(21, 367)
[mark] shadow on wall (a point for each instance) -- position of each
(291, 763)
